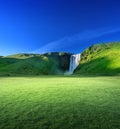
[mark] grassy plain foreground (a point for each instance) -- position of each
(59, 102)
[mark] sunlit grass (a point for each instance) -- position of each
(60, 102)
(100, 59)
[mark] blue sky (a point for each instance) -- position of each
(39, 26)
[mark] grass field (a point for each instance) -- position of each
(56, 102)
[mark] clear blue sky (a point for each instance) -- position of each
(57, 25)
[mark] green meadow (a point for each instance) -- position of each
(60, 102)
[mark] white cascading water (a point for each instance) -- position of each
(74, 62)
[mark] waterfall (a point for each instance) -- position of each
(74, 62)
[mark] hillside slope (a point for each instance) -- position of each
(100, 59)
(34, 64)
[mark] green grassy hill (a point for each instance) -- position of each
(100, 59)
(34, 64)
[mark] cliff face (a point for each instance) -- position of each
(61, 58)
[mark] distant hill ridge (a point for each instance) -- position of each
(98, 59)
(35, 64)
